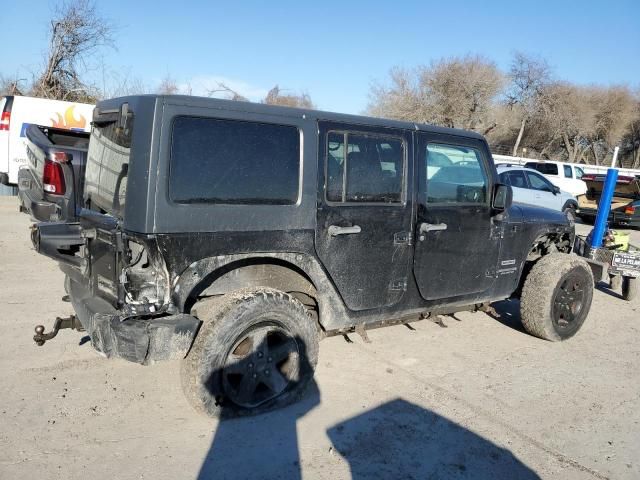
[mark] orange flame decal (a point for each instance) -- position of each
(69, 120)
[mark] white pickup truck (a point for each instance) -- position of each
(565, 175)
(18, 112)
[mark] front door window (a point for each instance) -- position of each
(455, 175)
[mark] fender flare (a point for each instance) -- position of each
(204, 272)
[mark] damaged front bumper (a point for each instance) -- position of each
(141, 339)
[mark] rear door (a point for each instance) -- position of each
(363, 234)
(456, 247)
(522, 193)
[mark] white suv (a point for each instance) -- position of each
(567, 176)
(530, 187)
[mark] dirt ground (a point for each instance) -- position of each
(479, 399)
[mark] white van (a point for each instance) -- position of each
(567, 176)
(18, 112)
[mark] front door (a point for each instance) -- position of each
(364, 232)
(456, 247)
(543, 191)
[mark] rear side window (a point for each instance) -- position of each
(579, 172)
(544, 168)
(515, 178)
(107, 168)
(363, 167)
(234, 162)
(567, 171)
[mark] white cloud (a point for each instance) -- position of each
(201, 85)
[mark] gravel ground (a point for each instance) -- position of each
(479, 399)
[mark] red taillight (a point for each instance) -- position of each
(5, 119)
(630, 209)
(53, 178)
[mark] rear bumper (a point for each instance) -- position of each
(32, 200)
(142, 340)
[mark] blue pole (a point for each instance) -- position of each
(604, 206)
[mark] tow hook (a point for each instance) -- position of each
(61, 323)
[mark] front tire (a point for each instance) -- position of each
(630, 288)
(556, 296)
(256, 351)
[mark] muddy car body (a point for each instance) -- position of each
(202, 214)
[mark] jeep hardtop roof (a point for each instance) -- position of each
(239, 106)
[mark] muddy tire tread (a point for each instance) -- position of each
(539, 286)
(214, 313)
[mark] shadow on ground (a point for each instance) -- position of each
(604, 288)
(261, 447)
(509, 314)
(401, 440)
(395, 440)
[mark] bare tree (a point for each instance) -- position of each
(566, 115)
(455, 92)
(228, 91)
(634, 132)
(613, 114)
(76, 32)
(402, 99)
(529, 76)
(10, 86)
(168, 86)
(276, 97)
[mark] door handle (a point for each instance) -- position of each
(430, 227)
(335, 230)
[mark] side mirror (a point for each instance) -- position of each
(502, 197)
(556, 190)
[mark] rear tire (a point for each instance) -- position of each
(256, 351)
(630, 288)
(556, 296)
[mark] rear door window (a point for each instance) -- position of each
(515, 178)
(364, 168)
(234, 162)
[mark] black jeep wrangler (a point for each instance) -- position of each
(236, 235)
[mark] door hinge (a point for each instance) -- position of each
(402, 238)
(399, 285)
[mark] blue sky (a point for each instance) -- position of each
(335, 50)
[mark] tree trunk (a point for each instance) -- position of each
(546, 147)
(595, 154)
(517, 144)
(570, 151)
(636, 161)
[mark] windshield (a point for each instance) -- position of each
(107, 166)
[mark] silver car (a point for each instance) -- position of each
(531, 187)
